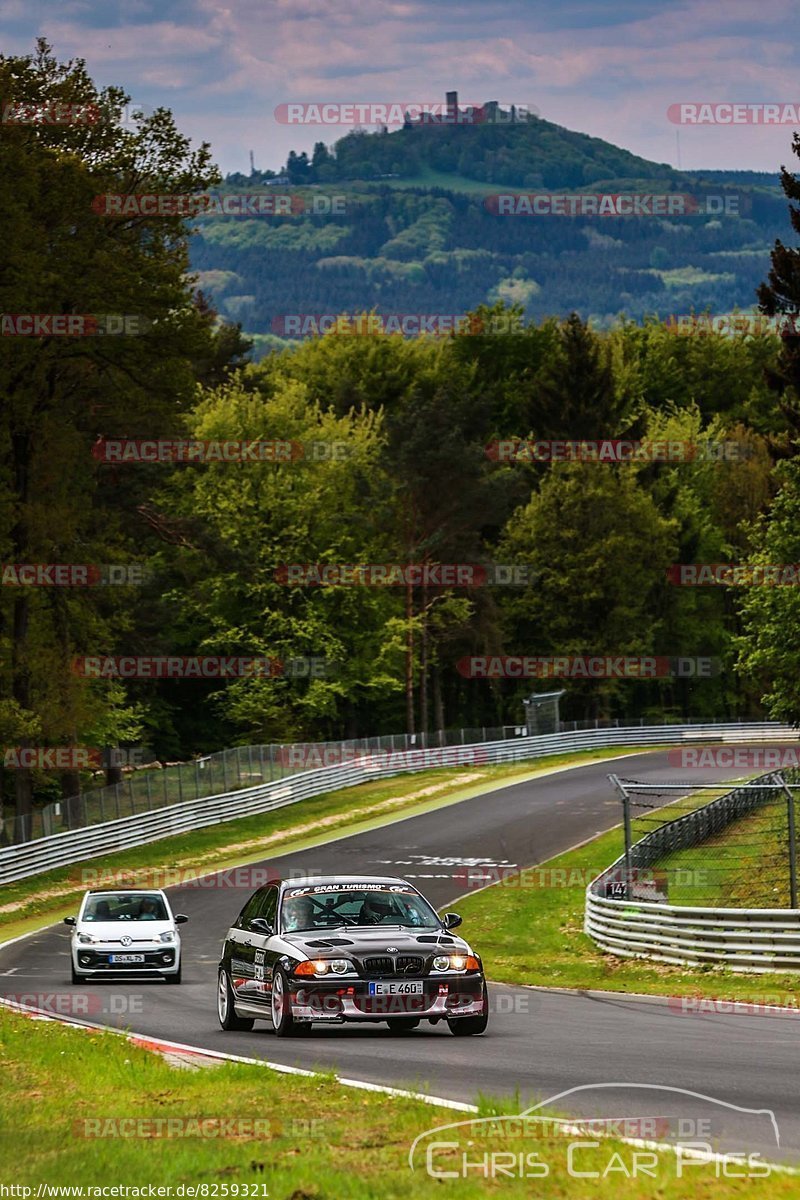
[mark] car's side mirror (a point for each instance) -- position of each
(181, 918)
(260, 925)
(69, 920)
(452, 920)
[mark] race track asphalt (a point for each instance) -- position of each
(539, 1044)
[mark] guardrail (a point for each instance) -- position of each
(741, 939)
(62, 849)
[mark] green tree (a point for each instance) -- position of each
(60, 256)
(599, 549)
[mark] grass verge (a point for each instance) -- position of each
(317, 1140)
(529, 930)
(31, 903)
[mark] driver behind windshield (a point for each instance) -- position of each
(148, 910)
(298, 913)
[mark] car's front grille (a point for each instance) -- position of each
(380, 965)
(403, 964)
(408, 964)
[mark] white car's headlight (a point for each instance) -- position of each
(169, 936)
(86, 939)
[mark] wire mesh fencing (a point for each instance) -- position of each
(226, 771)
(720, 848)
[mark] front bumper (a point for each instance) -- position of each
(460, 996)
(96, 960)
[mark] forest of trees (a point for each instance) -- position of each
(425, 250)
(401, 471)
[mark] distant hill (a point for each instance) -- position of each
(419, 232)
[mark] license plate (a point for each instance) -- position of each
(121, 958)
(406, 988)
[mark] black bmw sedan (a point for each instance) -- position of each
(348, 949)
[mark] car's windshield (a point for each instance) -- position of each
(114, 906)
(329, 905)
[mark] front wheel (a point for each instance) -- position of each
(283, 1022)
(469, 1026)
(225, 1010)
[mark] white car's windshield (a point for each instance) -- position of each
(319, 908)
(137, 906)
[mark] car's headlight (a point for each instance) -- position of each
(169, 936)
(323, 966)
(86, 939)
(455, 962)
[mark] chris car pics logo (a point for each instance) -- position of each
(654, 1132)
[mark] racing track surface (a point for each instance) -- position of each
(540, 1043)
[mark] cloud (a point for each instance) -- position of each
(606, 67)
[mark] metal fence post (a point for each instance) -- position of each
(224, 773)
(792, 844)
(626, 820)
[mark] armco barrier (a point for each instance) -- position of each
(741, 939)
(58, 850)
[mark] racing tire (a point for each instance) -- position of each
(283, 1023)
(176, 978)
(225, 1010)
(76, 978)
(469, 1026)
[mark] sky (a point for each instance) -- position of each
(609, 68)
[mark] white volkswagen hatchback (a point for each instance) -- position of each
(126, 933)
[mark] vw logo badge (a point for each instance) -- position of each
(125, 941)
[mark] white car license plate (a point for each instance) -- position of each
(408, 987)
(123, 958)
